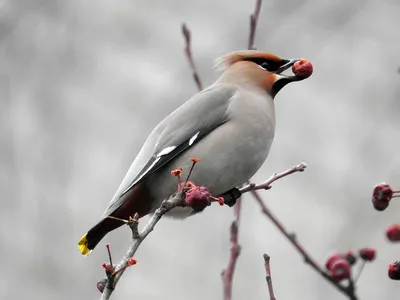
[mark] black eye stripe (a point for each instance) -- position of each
(267, 64)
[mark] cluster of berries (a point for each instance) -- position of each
(197, 197)
(339, 265)
(382, 194)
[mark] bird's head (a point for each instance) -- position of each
(256, 67)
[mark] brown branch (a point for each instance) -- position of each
(137, 239)
(267, 184)
(227, 274)
(347, 290)
(253, 24)
(268, 277)
(188, 50)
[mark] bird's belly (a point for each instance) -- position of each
(225, 162)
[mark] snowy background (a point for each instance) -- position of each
(82, 84)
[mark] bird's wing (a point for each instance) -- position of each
(184, 127)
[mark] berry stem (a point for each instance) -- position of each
(109, 255)
(190, 173)
(360, 270)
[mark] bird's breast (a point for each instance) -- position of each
(229, 155)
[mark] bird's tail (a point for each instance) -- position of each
(90, 240)
(83, 245)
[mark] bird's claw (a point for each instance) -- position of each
(231, 196)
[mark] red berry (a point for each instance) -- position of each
(380, 205)
(367, 254)
(381, 195)
(393, 233)
(331, 259)
(394, 270)
(131, 261)
(198, 198)
(350, 257)
(340, 269)
(221, 201)
(302, 68)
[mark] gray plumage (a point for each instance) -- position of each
(229, 126)
(238, 126)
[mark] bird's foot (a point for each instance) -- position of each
(231, 196)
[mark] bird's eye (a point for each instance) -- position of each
(265, 65)
(269, 65)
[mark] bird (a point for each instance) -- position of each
(229, 126)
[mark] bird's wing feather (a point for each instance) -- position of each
(184, 127)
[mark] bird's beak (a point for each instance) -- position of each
(281, 79)
(288, 63)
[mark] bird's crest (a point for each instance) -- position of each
(225, 61)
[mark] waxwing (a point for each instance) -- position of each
(229, 126)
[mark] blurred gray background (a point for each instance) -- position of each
(84, 82)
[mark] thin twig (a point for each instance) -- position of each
(307, 258)
(360, 270)
(267, 184)
(227, 274)
(268, 277)
(188, 50)
(137, 239)
(109, 255)
(253, 24)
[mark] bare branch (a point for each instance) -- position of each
(227, 274)
(348, 291)
(253, 24)
(267, 184)
(188, 50)
(268, 277)
(137, 239)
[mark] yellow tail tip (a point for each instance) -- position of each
(82, 245)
